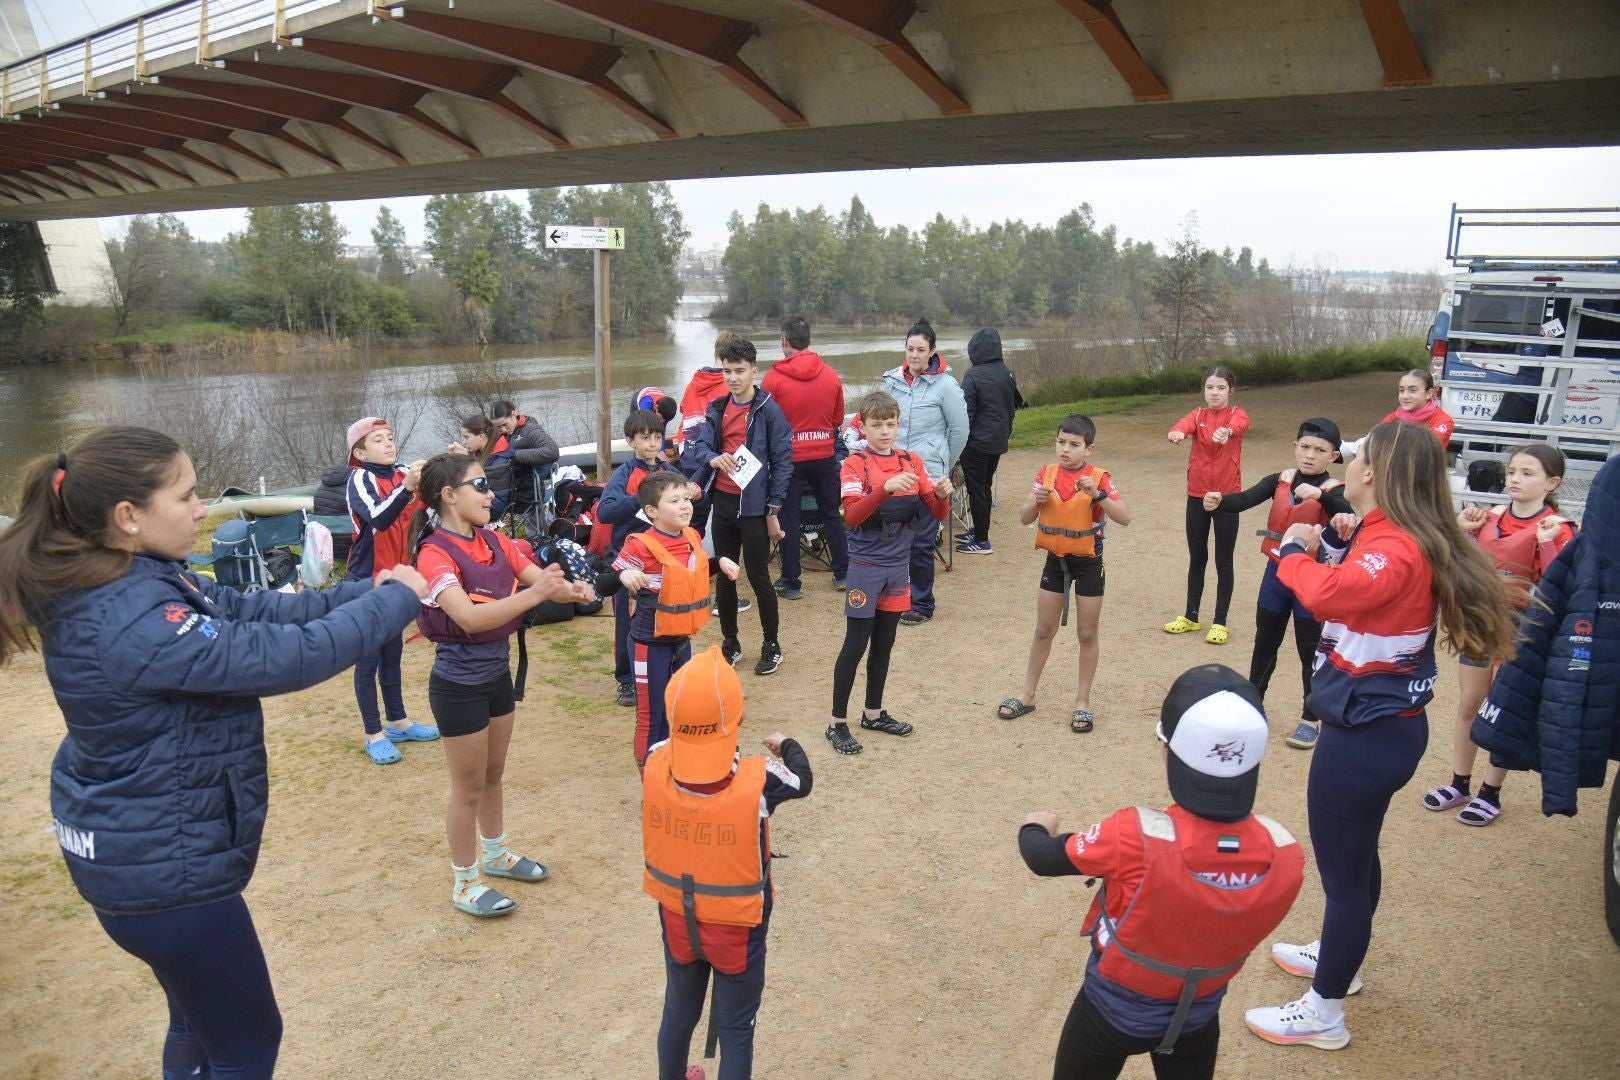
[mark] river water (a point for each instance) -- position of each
(44, 409)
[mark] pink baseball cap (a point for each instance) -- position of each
(359, 430)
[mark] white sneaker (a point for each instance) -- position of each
(1301, 960)
(1297, 1022)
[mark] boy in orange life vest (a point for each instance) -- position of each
(1071, 502)
(1305, 493)
(706, 841)
(1187, 893)
(665, 568)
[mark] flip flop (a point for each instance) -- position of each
(1012, 709)
(1081, 722)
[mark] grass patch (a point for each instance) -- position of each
(1261, 369)
(577, 708)
(1037, 425)
(191, 333)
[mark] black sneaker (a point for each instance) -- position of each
(744, 605)
(627, 693)
(842, 741)
(731, 649)
(914, 618)
(770, 658)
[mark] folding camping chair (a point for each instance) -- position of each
(958, 520)
(813, 534)
(242, 551)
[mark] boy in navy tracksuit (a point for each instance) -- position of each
(745, 516)
(619, 507)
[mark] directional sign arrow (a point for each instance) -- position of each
(556, 236)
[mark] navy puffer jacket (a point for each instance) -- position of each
(159, 790)
(1555, 707)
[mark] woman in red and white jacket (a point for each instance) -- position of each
(1215, 464)
(1375, 675)
(1522, 540)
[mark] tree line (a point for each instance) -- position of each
(490, 278)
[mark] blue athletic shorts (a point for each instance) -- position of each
(874, 588)
(1275, 596)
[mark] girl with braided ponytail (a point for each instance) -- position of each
(473, 608)
(160, 788)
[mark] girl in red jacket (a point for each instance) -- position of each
(1215, 464)
(1522, 540)
(1420, 404)
(1407, 578)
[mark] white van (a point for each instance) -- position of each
(1526, 348)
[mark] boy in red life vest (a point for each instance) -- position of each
(665, 568)
(884, 493)
(1305, 493)
(620, 508)
(706, 842)
(1069, 505)
(1187, 893)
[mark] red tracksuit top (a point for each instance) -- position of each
(1212, 466)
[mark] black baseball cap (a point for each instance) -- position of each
(1214, 723)
(1320, 427)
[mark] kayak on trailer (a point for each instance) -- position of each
(286, 501)
(584, 454)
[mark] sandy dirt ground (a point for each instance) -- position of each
(909, 938)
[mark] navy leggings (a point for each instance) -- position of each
(1354, 773)
(382, 668)
(736, 1001)
(223, 1020)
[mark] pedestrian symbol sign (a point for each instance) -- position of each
(599, 237)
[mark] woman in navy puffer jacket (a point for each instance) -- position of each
(159, 790)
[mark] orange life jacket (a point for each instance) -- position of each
(1066, 527)
(1183, 937)
(1285, 512)
(703, 852)
(683, 598)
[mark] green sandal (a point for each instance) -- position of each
(1012, 709)
(1082, 721)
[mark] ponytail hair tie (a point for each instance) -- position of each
(61, 471)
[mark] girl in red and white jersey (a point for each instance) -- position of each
(1215, 464)
(1409, 575)
(1420, 404)
(1522, 539)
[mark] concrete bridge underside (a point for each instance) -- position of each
(358, 101)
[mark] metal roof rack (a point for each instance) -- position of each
(1579, 227)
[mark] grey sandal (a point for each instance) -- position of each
(525, 869)
(1012, 709)
(484, 902)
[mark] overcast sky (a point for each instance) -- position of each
(1373, 211)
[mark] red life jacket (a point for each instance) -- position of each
(1183, 937)
(1285, 511)
(483, 583)
(1514, 553)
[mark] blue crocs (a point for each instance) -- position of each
(1304, 736)
(414, 733)
(382, 752)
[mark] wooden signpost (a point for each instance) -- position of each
(600, 238)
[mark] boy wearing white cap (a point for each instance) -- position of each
(706, 840)
(1187, 893)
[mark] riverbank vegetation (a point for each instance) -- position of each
(487, 277)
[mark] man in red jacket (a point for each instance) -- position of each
(812, 396)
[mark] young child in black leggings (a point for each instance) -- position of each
(884, 492)
(1305, 493)
(1215, 464)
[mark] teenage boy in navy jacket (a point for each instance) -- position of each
(745, 516)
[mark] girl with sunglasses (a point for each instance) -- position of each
(473, 608)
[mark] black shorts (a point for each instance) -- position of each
(460, 709)
(1086, 571)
